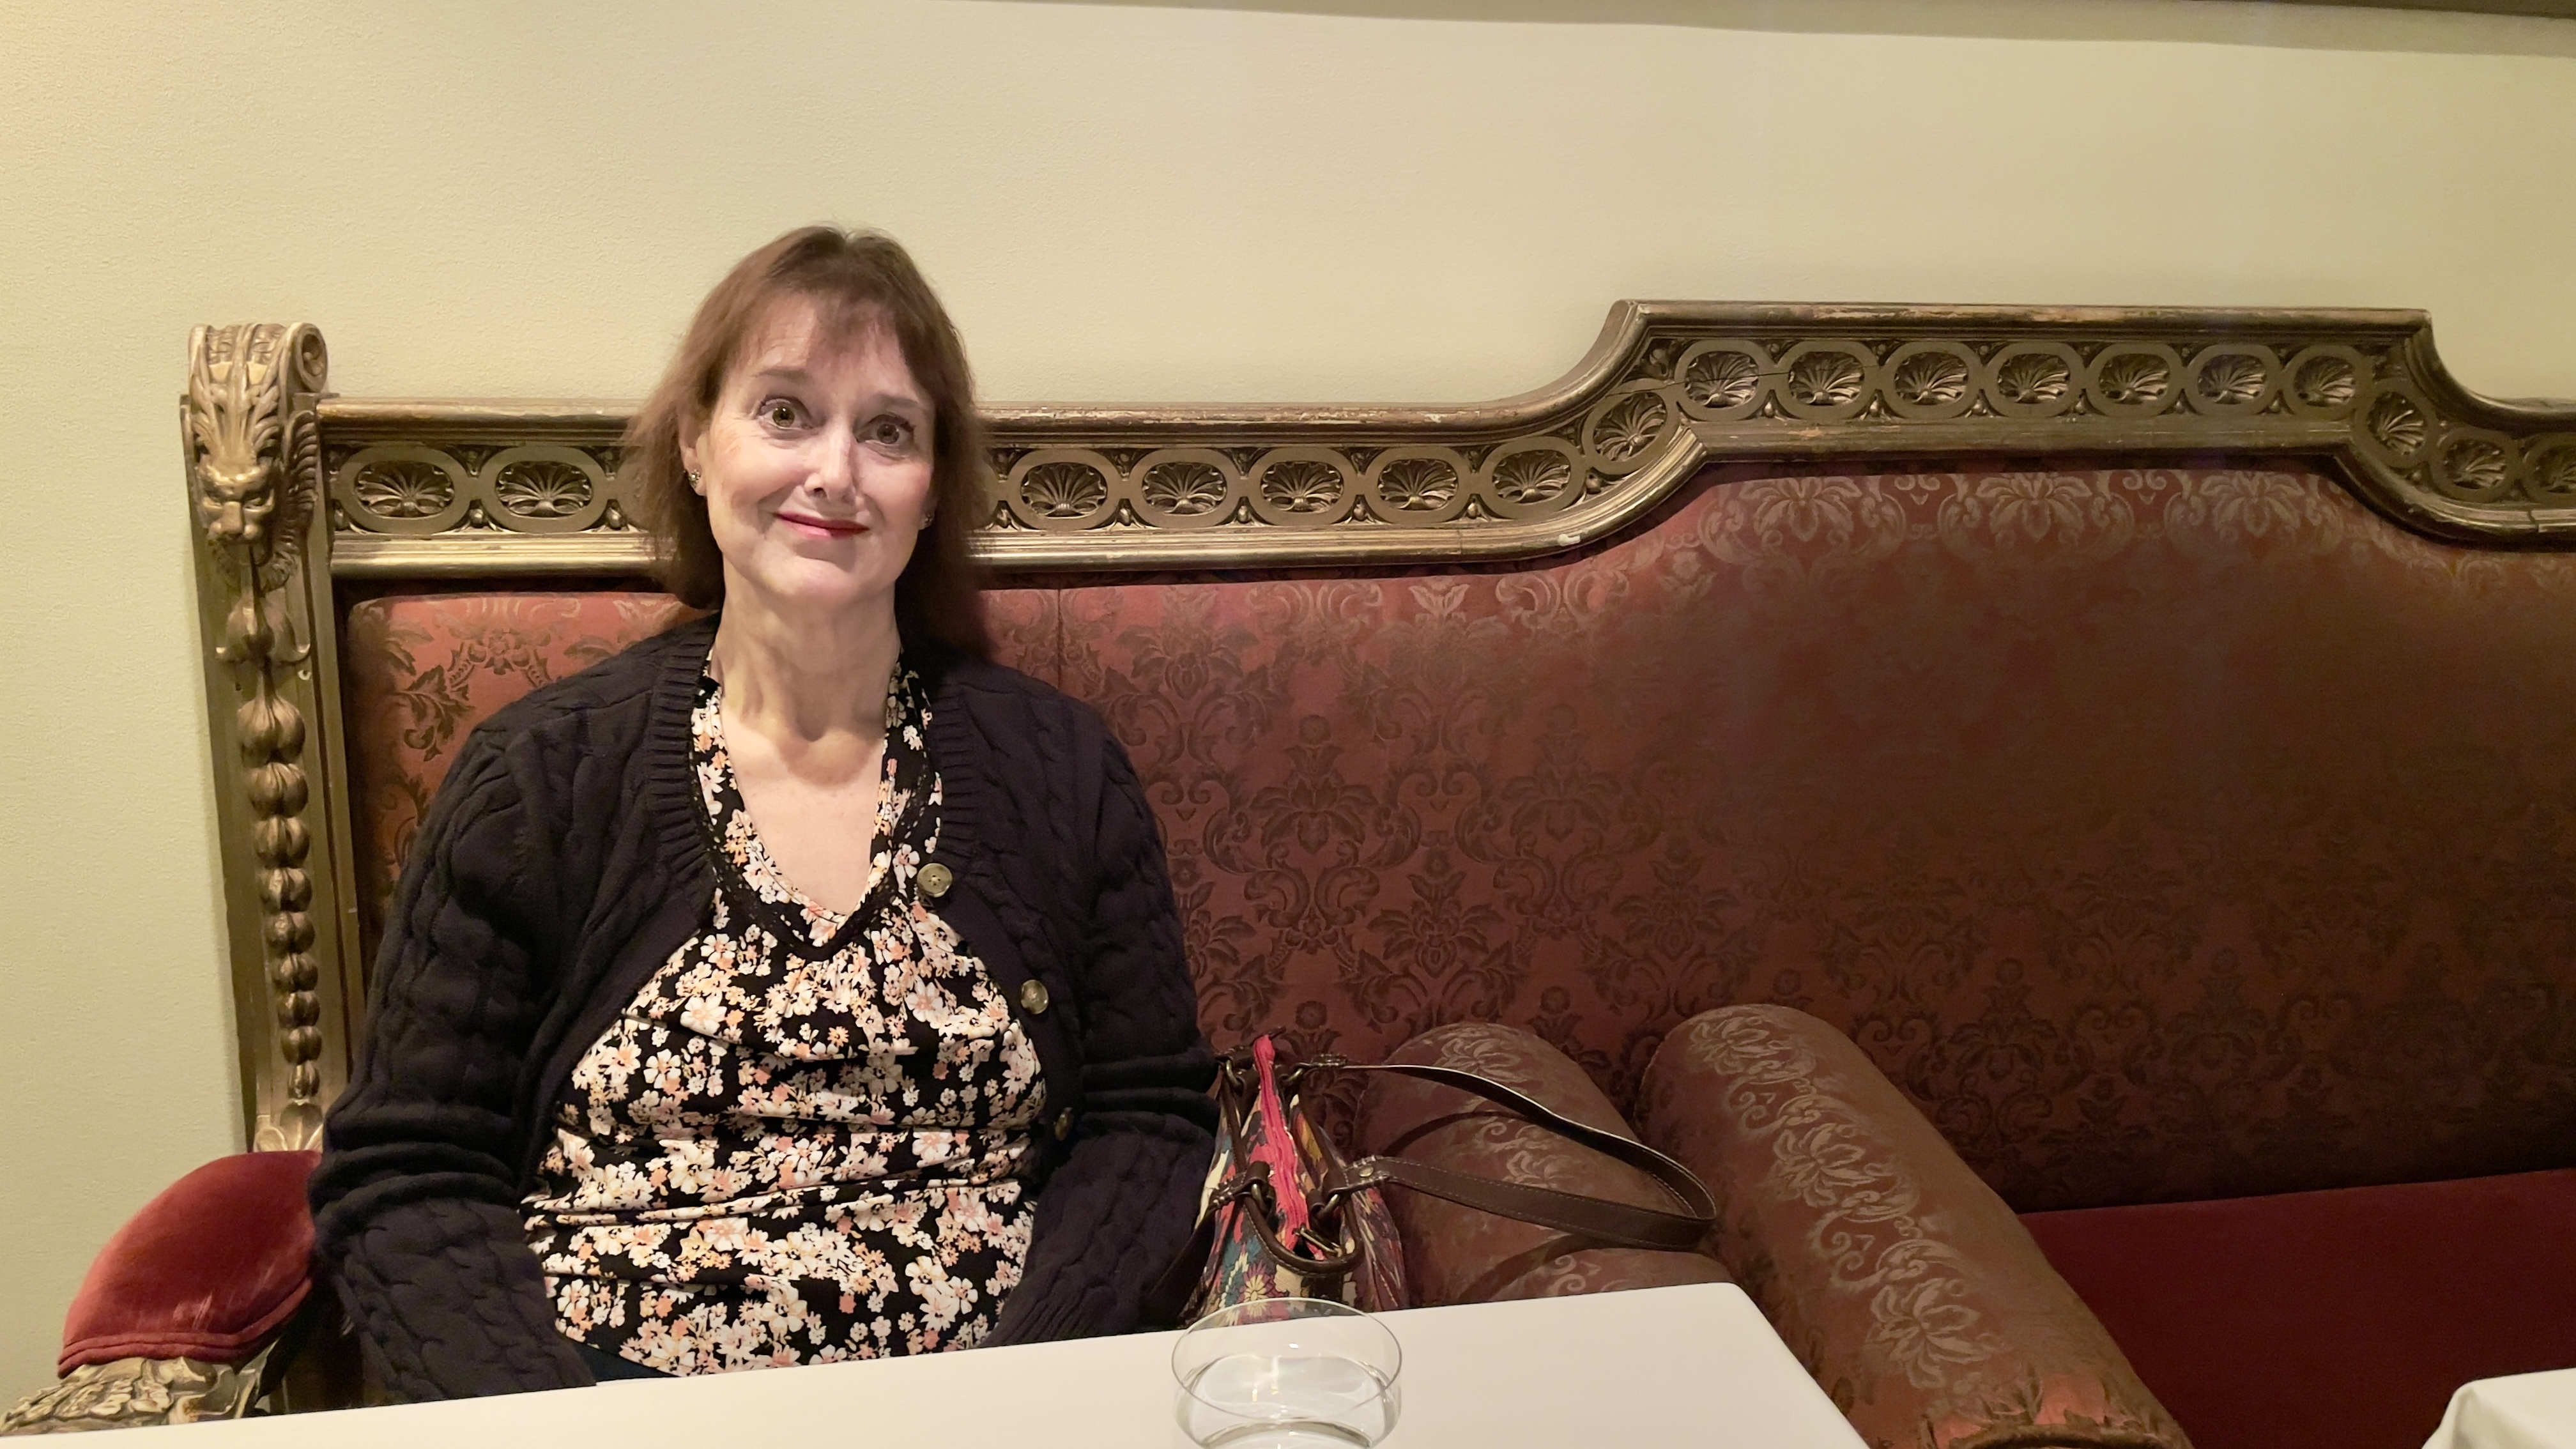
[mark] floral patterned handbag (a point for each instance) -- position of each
(1284, 1215)
(1271, 1231)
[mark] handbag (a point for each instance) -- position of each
(1285, 1215)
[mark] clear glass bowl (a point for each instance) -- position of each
(1287, 1373)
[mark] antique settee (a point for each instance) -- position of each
(2063, 816)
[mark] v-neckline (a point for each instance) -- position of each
(788, 919)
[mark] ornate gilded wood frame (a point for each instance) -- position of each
(294, 490)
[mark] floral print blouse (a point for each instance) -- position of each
(806, 1138)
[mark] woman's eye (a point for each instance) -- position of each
(890, 433)
(778, 412)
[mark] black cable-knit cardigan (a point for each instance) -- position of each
(566, 858)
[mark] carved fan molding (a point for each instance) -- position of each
(291, 490)
(449, 489)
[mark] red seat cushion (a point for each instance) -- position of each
(2343, 1317)
(207, 1270)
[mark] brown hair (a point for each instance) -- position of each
(858, 280)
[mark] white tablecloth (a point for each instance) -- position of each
(2525, 1411)
(1658, 1366)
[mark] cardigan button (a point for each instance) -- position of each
(1064, 1124)
(936, 879)
(1033, 997)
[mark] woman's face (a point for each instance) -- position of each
(815, 463)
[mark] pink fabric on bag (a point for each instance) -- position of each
(1278, 1147)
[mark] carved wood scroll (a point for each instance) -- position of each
(253, 450)
(283, 479)
(130, 1393)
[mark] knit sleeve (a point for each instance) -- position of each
(415, 1217)
(1123, 1203)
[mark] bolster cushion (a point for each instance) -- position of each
(208, 1270)
(1901, 1281)
(1455, 1254)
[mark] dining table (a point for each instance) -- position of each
(1684, 1365)
(2518, 1411)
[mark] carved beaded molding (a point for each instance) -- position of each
(460, 488)
(248, 430)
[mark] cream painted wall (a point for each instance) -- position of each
(1432, 200)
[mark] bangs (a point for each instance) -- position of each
(856, 282)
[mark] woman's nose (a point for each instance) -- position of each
(836, 466)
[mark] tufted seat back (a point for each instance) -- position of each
(2162, 833)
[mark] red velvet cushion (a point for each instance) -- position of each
(2343, 1317)
(208, 1270)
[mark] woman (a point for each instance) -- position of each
(797, 985)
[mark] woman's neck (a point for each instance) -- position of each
(814, 685)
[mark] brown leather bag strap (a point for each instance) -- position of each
(1253, 1190)
(1620, 1224)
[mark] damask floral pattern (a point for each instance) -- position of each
(2162, 833)
(421, 670)
(804, 1141)
(2102, 807)
(1906, 1287)
(1457, 1254)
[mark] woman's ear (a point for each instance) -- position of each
(689, 461)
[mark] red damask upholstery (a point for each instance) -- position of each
(420, 671)
(208, 1270)
(2162, 834)
(2344, 1317)
(1455, 1254)
(1903, 1283)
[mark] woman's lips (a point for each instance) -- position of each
(813, 527)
